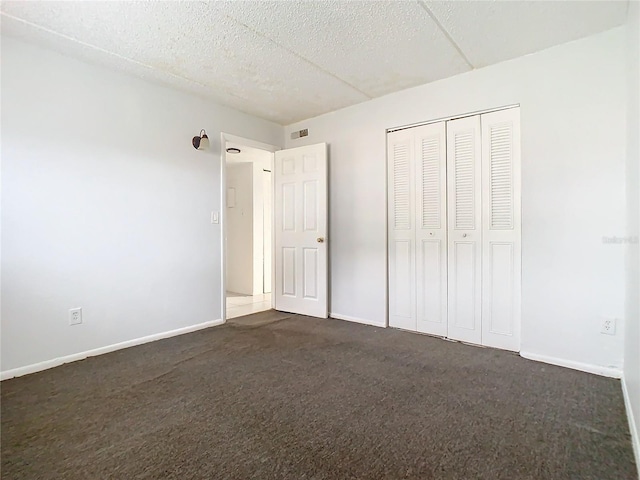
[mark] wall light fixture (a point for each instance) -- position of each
(201, 142)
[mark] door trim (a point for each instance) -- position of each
(224, 138)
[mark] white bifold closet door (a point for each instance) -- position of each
(418, 229)
(501, 229)
(431, 229)
(454, 229)
(483, 174)
(401, 230)
(464, 205)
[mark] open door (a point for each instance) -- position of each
(300, 212)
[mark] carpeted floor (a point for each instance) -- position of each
(277, 396)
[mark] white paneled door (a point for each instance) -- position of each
(501, 234)
(300, 213)
(464, 202)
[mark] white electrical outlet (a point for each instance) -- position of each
(75, 316)
(608, 326)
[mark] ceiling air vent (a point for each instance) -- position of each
(300, 133)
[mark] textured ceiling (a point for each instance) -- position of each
(290, 60)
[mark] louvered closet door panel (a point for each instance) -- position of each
(401, 228)
(501, 229)
(431, 228)
(464, 201)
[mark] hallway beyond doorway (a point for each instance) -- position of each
(239, 304)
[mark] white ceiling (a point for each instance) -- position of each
(291, 60)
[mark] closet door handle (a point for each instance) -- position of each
(464, 235)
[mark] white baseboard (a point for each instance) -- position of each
(339, 316)
(37, 367)
(635, 439)
(583, 367)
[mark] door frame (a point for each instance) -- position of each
(387, 186)
(224, 138)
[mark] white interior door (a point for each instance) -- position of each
(501, 237)
(300, 212)
(431, 228)
(401, 229)
(465, 229)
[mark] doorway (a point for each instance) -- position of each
(248, 207)
(285, 222)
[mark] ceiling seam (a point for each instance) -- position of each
(113, 54)
(298, 55)
(445, 32)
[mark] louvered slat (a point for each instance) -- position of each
(431, 182)
(464, 181)
(401, 186)
(501, 184)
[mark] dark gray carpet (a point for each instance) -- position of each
(302, 398)
(259, 319)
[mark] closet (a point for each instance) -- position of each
(454, 228)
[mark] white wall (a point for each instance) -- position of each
(267, 211)
(632, 339)
(240, 220)
(258, 229)
(572, 101)
(105, 205)
(261, 224)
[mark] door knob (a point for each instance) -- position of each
(464, 234)
(320, 240)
